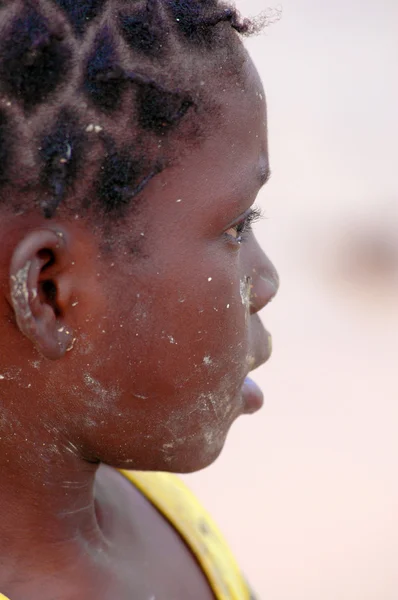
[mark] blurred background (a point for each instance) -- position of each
(307, 491)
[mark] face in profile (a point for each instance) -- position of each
(162, 305)
(160, 364)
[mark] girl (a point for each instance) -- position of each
(132, 146)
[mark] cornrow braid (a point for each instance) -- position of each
(144, 31)
(198, 20)
(94, 94)
(34, 58)
(61, 154)
(158, 107)
(81, 13)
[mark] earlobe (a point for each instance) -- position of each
(35, 307)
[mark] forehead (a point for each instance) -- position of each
(236, 149)
(234, 153)
(243, 123)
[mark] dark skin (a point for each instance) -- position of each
(132, 360)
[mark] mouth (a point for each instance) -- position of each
(252, 395)
(262, 350)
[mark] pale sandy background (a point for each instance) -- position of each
(307, 491)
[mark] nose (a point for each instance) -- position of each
(264, 282)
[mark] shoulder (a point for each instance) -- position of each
(169, 494)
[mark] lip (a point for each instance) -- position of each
(252, 396)
(261, 346)
(261, 350)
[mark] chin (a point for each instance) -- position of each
(192, 460)
(188, 455)
(182, 462)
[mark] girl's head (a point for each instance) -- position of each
(132, 146)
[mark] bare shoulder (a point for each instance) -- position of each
(146, 537)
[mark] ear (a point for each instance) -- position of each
(40, 289)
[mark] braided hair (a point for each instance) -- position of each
(96, 94)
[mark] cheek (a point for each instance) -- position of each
(187, 342)
(198, 334)
(177, 354)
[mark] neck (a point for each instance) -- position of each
(47, 495)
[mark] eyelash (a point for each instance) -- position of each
(245, 226)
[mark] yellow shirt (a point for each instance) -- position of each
(183, 510)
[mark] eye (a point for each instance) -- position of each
(240, 230)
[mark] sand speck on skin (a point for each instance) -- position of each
(103, 394)
(169, 337)
(11, 374)
(71, 448)
(245, 289)
(20, 293)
